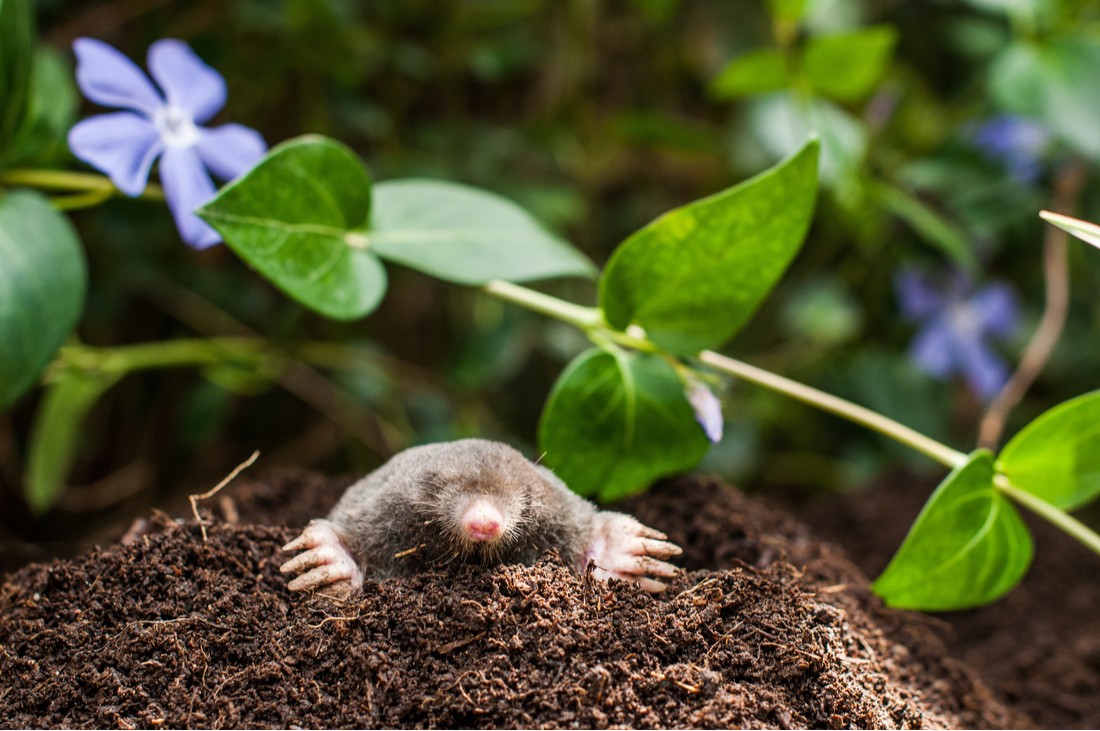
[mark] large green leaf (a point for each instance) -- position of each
(694, 276)
(300, 217)
(42, 282)
(1056, 82)
(616, 422)
(1057, 456)
(57, 434)
(465, 235)
(847, 66)
(967, 547)
(16, 59)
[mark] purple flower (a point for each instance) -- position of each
(1015, 142)
(124, 145)
(708, 409)
(955, 326)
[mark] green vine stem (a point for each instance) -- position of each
(88, 189)
(1050, 513)
(834, 405)
(590, 319)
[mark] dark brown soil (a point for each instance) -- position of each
(769, 628)
(1038, 647)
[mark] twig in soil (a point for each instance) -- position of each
(1067, 188)
(214, 491)
(452, 646)
(321, 624)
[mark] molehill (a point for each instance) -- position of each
(769, 627)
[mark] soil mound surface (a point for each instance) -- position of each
(768, 628)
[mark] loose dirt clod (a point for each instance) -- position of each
(176, 632)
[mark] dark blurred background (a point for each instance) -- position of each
(596, 116)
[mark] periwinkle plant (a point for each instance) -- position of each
(635, 406)
(167, 125)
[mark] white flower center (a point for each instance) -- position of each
(966, 319)
(176, 126)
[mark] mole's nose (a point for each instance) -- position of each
(482, 521)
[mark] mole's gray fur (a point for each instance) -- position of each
(405, 514)
(471, 501)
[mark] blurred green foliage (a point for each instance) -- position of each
(596, 117)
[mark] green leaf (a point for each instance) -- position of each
(1057, 456)
(42, 282)
(755, 72)
(1087, 232)
(16, 58)
(57, 435)
(1054, 82)
(694, 276)
(932, 226)
(616, 422)
(51, 108)
(967, 547)
(299, 217)
(847, 66)
(465, 235)
(787, 11)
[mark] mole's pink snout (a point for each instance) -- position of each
(482, 521)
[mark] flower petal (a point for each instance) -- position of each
(917, 296)
(996, 307)
(932, 349)
(230, 150)
(121, 144)
(985, 371)
(109, 78)
(187, 186)
(187, 81)
(708, 410)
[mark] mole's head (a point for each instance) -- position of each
(481, 499)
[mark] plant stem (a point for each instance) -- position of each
(163, 354)
(70, 181)
(1068, 184)
(838, 406)
(1050, 513)
(584, 318)
(590, 320)
(89, 199)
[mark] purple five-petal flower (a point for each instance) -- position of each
(165, 123)
(955, 326)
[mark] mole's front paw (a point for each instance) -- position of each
(623, 548)
(325, 565)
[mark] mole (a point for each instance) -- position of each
(470, 501)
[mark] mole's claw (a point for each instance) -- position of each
(327, 563)
(652, 567)
(646, 532)
(302, 541)
(660, 549)
(320, 556)
(651, 585)
(623, 548)
(319, 577)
